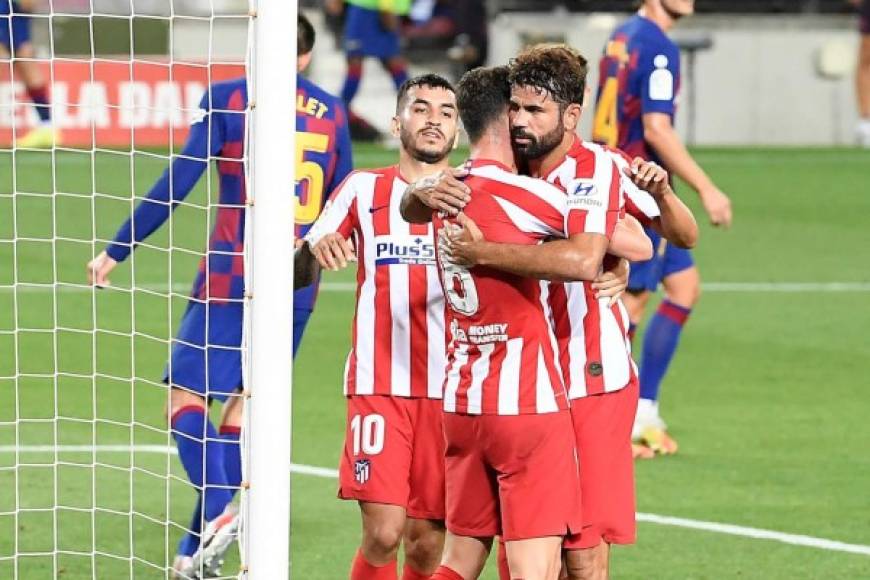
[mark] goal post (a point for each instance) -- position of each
(93, 484)
(266, 532)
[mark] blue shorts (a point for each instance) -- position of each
(667, 259)
(14, 30)
(365, 35)
(215, 371)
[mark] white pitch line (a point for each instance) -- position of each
(718, 287)
(156, 449)
(756, 533)
(325, 472)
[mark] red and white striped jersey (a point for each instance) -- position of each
(502, 351)
(398, 337)
(638, 203)
(594, 350)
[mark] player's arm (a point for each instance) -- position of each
(629, 241)
(328, 239)
(660, 69)
(663, 138)
(443, 191)
(205, 140)
(650, 198)
(676, 223)
(577, 258)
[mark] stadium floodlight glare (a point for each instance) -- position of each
(93, 487)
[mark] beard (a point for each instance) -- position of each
(428, 155)
(537, 146)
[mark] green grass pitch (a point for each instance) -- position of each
(768, 395)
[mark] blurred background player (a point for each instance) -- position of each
(371, 29)
(209, 368)
(393, 459)
(16, 43)
(862, 76)
(637, 94)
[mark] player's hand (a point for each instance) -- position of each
(99, 269)
(333, 252)
(649, 176)
(442, 191)
(461, 244)
(717, 206)
(612, 282)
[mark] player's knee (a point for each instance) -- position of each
(423, 549)
(539, 569)
(180, 398)
(684, 288)
(589, 564)
(382, 538)
(231, 414)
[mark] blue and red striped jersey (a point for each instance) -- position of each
(639, 74)
(323, 159)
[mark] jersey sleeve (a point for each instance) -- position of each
(339, 214)
(638, 203)
(659, 71)
(205, 140)
(593, 204)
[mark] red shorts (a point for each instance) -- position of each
(511, 476)
(394, 454)
(603, 424)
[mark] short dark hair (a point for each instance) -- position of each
(556, 68)
(304, 35)
(428, 80)
(483, 96)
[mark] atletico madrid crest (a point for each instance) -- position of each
(362, 469)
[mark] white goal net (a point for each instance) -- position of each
(104, 473)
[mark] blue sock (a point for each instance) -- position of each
(188, 426)
(39, 97)
(398, 69)
(351, 82)
(659, 345)
(190, 541)
(232, 455)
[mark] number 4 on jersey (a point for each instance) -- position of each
(606, 124)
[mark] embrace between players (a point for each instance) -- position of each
(490, 384)
(484, 364)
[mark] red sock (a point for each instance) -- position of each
(362, 570)
(445, 573)
(409, 573)
(504, 572)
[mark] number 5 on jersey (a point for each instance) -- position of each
(367, 433)
(307, 212)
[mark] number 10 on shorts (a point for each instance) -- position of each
(367, 433)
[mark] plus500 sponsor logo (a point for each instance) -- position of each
(404, 250)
